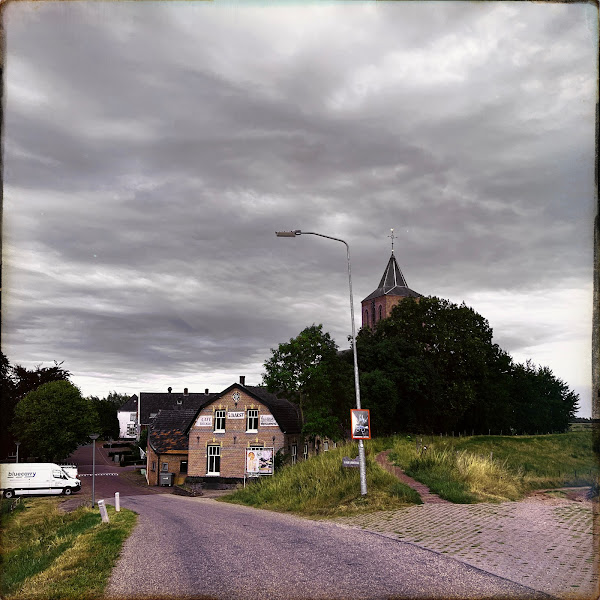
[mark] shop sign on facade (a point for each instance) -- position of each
(268, 421)
(204, 421)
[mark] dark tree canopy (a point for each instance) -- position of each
(53, 420)
(432, 366)
(106, 409)
(308, 370)
(16, 382)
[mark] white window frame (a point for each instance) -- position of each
(325, 446)
(305, 452)
(164, 467)
(294, 454)
(220, 416)
(252, 413)
(213, 459)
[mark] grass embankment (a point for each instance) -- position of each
(496, 468)
(47, 553)
(320, 486)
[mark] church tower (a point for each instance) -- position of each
(392, 289)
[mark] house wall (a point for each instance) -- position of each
(154, 466)
(125, 419)
(234, 441)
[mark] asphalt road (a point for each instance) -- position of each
(109, 476)
(201, 548)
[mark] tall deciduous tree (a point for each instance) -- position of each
(106, 409)
(432, 366)
(16, 382)
(53, 420)
(309, 371)
(436, 353)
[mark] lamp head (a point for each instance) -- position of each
(288, 233)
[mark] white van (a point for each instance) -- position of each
(36, 478)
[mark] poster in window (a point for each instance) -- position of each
(259, 460)
(361, 424)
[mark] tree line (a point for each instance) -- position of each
(430, 367)
(46, 413)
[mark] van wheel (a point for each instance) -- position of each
(9, 494)
(67, 491)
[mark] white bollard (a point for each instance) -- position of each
(103, 512)
(117, 502)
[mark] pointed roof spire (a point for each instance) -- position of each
(392, 276)
(392, 282)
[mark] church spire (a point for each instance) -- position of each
(392, 276)
(391, 290)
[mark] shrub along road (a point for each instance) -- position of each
(206, 549)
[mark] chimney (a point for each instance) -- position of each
(185, 391)
(206, 391)
(242, 380)
(169, 389)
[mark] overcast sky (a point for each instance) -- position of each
(151, 150)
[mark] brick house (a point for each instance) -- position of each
(167, 448)
(208, 437)
(239, 418)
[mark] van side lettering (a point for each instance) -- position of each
(16, 474)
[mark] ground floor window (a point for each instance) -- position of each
(183, 466)
(305, 453)
(294, 453)
(153, 465)
(213, 460)
(325, 446)
(164, 467)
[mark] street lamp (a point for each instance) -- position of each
(17, 444)
(94, 437)
(361, 447)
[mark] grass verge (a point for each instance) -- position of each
(47, 553)
(497, 468)
(322, 487)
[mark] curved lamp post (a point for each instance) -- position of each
(94, 437)
(361, 447)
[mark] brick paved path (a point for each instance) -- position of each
(545, 545)
(427, 496)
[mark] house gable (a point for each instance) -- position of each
(238, 418)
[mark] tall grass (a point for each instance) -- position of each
(47, 553)
(543, 461)
(457, 476)
(321, 486)
(489, 468)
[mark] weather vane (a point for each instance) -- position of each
(392, 236)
